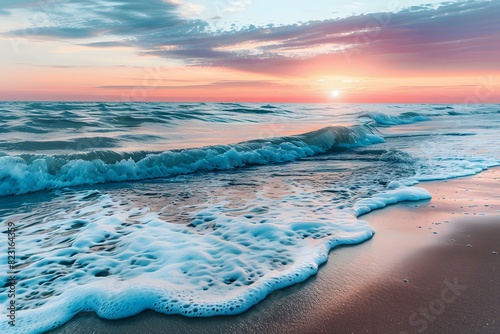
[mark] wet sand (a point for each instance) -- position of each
(432, 267)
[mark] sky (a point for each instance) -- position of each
(390, 51)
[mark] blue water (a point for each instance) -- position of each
(204, 209)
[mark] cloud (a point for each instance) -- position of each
(235, 5)
(223, 84)
(7, 7)
(92, 18)
(455, 36)
(113, 44)
(188, 8)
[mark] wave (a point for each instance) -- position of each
(397, 156)
(227, 263)
(443, 108)
(404, 118)
(29, 173)
(75, 143)
(251, 111)
(38, 117)
(471, 109)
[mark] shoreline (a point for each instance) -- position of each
(392, 283)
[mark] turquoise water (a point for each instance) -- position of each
(204, 209)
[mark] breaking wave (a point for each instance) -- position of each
(404, 118)
(29, 173)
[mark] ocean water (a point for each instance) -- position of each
(204, 209)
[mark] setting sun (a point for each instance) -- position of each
(336, 93)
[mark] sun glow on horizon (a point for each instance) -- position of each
(249, 51)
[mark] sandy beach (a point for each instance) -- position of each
(432, 267)
(196, 166)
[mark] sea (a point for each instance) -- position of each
(204, 209)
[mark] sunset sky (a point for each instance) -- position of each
(250, 50)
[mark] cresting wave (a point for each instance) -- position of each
(199, 248)
(29, 173)
(404, 118)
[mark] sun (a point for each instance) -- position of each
(335, 93)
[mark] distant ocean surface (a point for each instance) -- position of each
(204, 209)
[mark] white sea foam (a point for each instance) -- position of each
(104, 251)
(120, 260)
(404, 118)
(24, 175)
(118, 265)
(381, 200)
